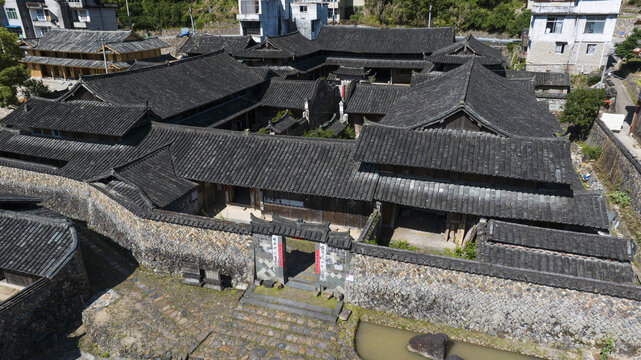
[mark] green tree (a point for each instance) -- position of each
(581, 108)
(34, 87)
(625, 48)
(12, 73)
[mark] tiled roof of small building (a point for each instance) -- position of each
(291, 94)
(538, 159)
(35, 245)
(556, 251)
(91, 41)
(82, 63)
(373, 99)
(206, 43)
(177, 87)
(584, 208)
(363, 40)
(89, 117)
(552, 79)
(317, 232)
(461, 51)
(488, 98)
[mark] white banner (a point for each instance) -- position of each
(275, 251)
(323, 261)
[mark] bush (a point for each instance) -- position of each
(594, 79)
(404, 245)
(319, 133)
(606, 350)
(263, 131)
(620, 198)
(279, 115)
(34, 87)
(625, 48)
(593, 152)
(467, 252)
(581, 108)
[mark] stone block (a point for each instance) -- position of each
(278, 285)
(345, 314)
(268, 283)
(327, 295)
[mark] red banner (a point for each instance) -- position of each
(317, 261)
(280, 254)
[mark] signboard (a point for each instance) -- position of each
(323, 261)
(275, 251)
(317, 261)
(349, 277)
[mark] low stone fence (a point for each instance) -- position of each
(159, 240)
(490, 299)
(45, 306)
(619, 165)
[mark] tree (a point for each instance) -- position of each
(581, 108)
(625, 48)
(12, 73)
(34, 87)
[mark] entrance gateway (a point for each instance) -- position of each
(331, 252)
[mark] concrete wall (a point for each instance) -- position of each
(492, 305)
(156, 244)
(47, 305)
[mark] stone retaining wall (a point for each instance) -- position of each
(45, 306)
(618, 164)
(155, 244)
(492, 305)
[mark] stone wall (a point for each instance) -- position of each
(618, 164)
(492, 305)
(160, 245)
(45, 306)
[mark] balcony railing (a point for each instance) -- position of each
(557, 8)
(249, 7)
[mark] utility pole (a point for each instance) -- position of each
(128, 16)
(429, 19)
(104, 55)
(193, 30)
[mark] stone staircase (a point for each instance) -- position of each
(291, 306)
(301, 278)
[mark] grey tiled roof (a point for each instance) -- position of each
(90, 41)
(538, 159)
(585, 208)
(556, 251)
(83, 63)
(553, 79)
(35, 245)
(90, 117)
(154, 174)
(486, 97)
(290, 94)
(377, 63)
(461, 51)
(176, 87)
(285, 122)
(205, 43)
(362, 40)
(373, 99)
(317, 232)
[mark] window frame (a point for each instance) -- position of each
(591, 21)
(588, 47)
(303, 8)
(12, 11)
(556, 23)
(562, 45)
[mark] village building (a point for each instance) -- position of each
(200, 44)
(69, 54)
(571, 36)
(263, 18)
(462, 51)
(33, 19)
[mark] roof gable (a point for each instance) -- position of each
(90, 41)
(205, 43)
(292, 94)
(461, 51)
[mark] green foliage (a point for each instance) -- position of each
(620, 198)
(279, 115)
(625, 48)
(404, 245)
(488, 15)
(594, 79)
(262, 131)
(34, 87)
(348, 133)
(319, 133)
(606, 350)
(12, 73)
(581, 108)
(593, 152)
(159, 14)
(467, 252)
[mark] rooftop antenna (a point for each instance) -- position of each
(429, 19)
(193, 30)
(128, 16)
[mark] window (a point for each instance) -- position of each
(44, 30)
(591, 49)
(560, 48)
(554, 25)
(81, 15)
(12, 14)
(40, 15)
(594, 24)
(303, 9)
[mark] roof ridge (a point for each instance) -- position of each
(467, 81)
(41, 218)
(142, 158)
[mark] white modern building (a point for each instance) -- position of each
(261, 18)
(571, 36)
(32, 19)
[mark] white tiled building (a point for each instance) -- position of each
(574, 37)
(32, 19)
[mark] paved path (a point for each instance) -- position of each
(625, 105)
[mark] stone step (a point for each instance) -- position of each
(245, 325)
(288, 308)
(300, 284)
(307, 276)
(286, 320)
(292, 303)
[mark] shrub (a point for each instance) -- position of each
(319, 133)
(581, 108)
(34, 87)
(620, 198)
(263, 131)
(279, 115)
(606, 350)
(467, 252)
(625, 48)
(594, 79)
(404, 245)
(593, 152)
